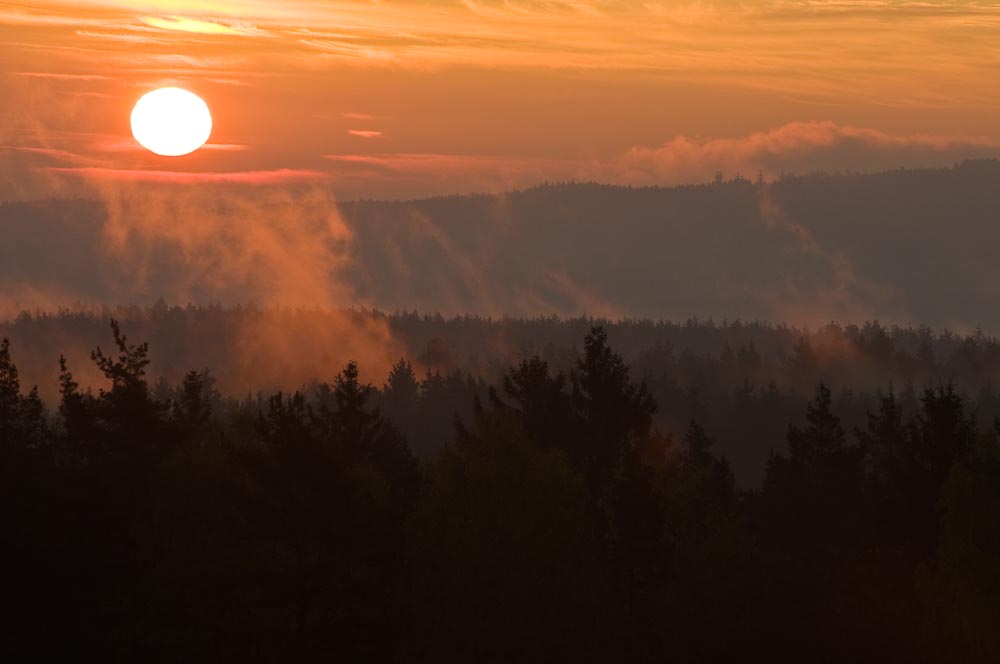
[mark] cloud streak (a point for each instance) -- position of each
(202, 27)
(185, 178)
(794, 148)
(814, 49)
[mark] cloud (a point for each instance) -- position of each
(749, 44)
(52, 153)
(796, 147)
(278, 176)
(62, 76)
(200, 26)
(135, 38)
(112, 144)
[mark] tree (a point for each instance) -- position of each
(943, 434)
(713, 472)
(823, 439)
(78, 412)
(506, 565)
(363, 437)
(128, 369)
(891, 467)
(540, 402)
(10, 398)
(960, 587)
(193, 411)
(811, 512)
(401, 395)
(22, 417)
(326, 531)
(812, 490)
(352, 424)
(127, 413)
(614, 413)
(713, 572)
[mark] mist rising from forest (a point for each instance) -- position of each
(904, 246)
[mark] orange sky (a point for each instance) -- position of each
(386, 99)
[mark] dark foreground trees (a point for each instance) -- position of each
(555, 523)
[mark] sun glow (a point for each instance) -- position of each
(171, 122)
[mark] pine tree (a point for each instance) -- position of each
(192, 411)
(614, 413)
(10, 398)
(401, 395)
(22, 417)
(540, 402)
(76, 410)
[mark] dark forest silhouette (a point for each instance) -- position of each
(551, 518)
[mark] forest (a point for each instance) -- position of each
(563, 495)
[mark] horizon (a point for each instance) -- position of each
(126, 310)
(727, 178)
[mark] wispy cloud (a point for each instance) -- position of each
(181, 177)
(797, 147)
(113, 144)
(825, 46)
(62, 76)
(365, 133)
(794, 147)
(201, 26)
(56, 154)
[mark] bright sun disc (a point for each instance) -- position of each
(171, 122)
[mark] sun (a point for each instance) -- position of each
(171, 122)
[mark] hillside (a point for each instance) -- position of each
(898, 246)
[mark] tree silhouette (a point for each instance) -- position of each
(401, 396)
(22, 417)
(614, 412)
(540, 402)
(193, 410)
(500, 544)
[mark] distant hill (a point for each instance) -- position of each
(900, 246)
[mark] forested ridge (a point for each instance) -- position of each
(900, 245)
(551, 516)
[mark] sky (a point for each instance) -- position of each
(387, 99)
